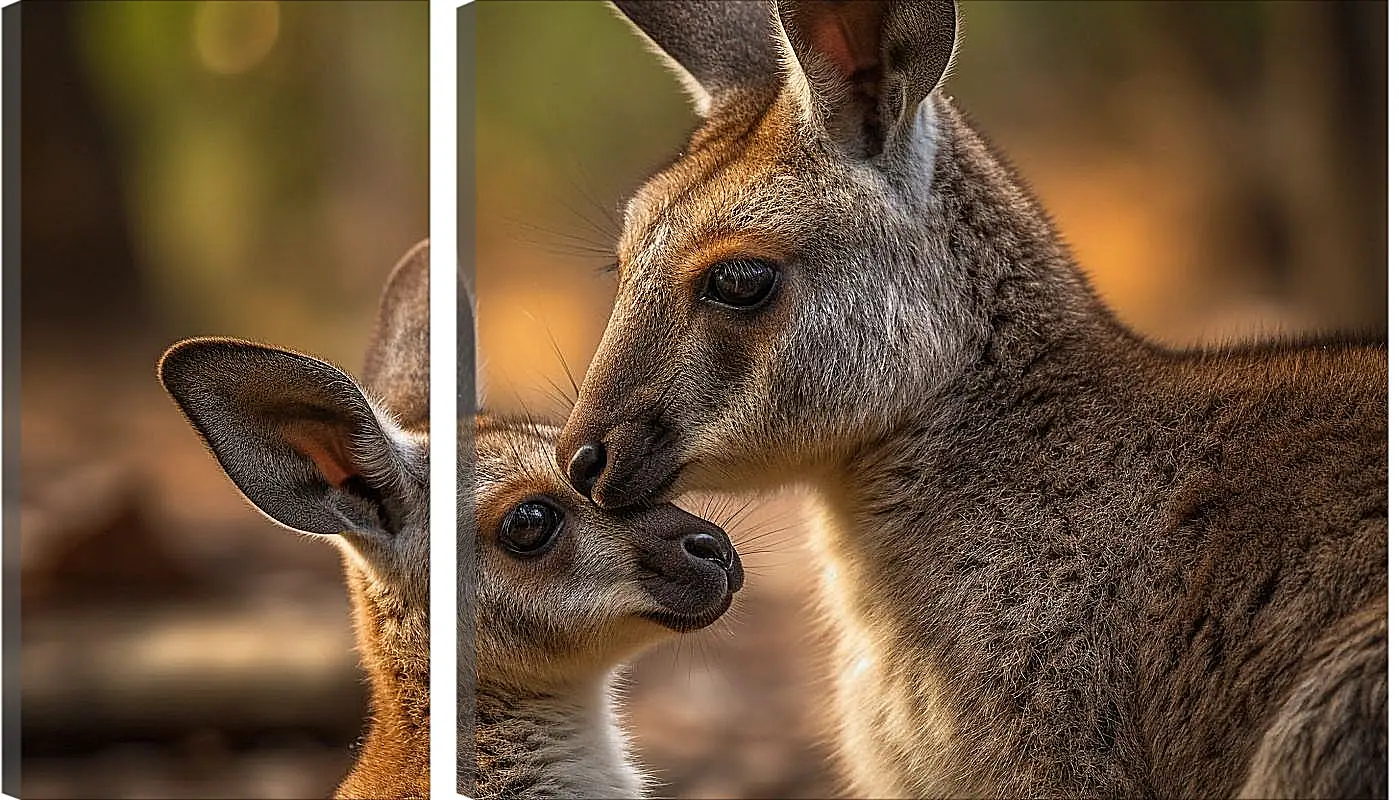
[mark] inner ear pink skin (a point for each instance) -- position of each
(847, 37)
(326, 450)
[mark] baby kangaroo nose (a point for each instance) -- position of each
(585, 467)
(708, 547)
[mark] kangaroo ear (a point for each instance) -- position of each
(396, 364)
(295, 434)
(861, 68)
(468, 399)
(714, 46)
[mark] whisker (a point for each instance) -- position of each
(559, 242)
(583, 187)
(766, 534)
(558, 393)
(563, 362)
(739, 514)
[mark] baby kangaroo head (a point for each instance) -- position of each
(779, 287)
(566, 591)
(318, 453)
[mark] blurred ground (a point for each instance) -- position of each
(176, 644)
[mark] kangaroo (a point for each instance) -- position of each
(564, 593)
(321, 454)
(1061, 560)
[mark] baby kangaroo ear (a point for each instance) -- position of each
(468, 372)
(396, 364)
(295, 434)
(860, 68)
(714, 46)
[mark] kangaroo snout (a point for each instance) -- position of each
(703, 546)
(707, 548)
(634, 463)
(584, 466)
(696, 569)
(715, 549)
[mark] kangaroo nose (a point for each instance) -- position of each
(585, 467)
(708, 548)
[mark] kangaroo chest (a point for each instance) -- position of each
(948, 686)
(541, 749)
(1114, 615)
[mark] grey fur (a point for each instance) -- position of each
(311, 449)
(1062, 561)
(397, 360)
(700, 45)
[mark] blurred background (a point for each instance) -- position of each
(1219, 168)
(249, 169)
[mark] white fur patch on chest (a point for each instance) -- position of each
(895, 734)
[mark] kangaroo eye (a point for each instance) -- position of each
(529, 529)
(741, 282)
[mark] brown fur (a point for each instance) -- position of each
(390, 606)
(1062, 561)
(391, 632)
(320, 454)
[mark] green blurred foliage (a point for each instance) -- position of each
(283, 190)
(542, 96)
(582, 129)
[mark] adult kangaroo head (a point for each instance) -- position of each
(1061, 561)
(787, 259)
(323, 454)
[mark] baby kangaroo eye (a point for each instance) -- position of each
(530, 528)
(744, 283)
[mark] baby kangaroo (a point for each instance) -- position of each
(565, 592)
(1062, 561)
(321, 454)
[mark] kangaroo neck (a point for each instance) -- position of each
(393, 760)
(1025, 296)
(1031, 322)
(550, 743)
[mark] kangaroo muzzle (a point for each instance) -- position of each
(585, 465)
(634, 463)
(693, 567)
